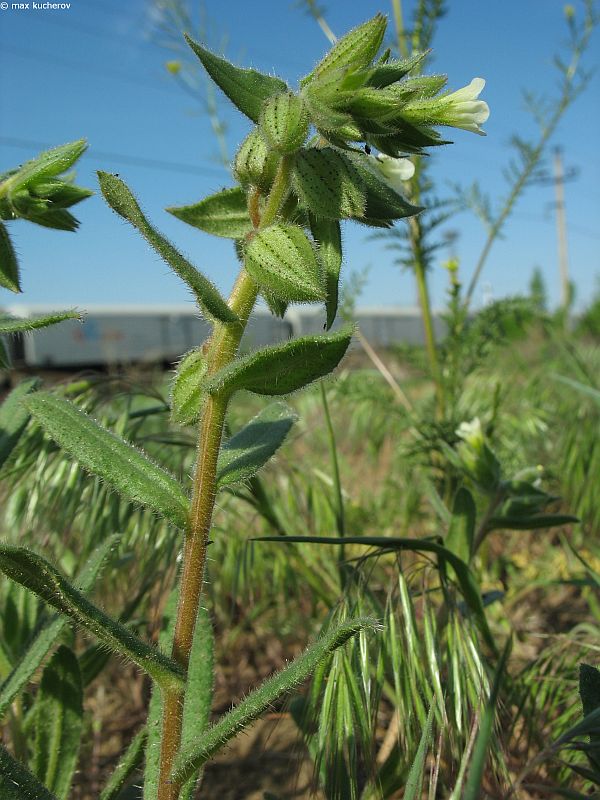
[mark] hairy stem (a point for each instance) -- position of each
(222, 349)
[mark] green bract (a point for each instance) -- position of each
(283, 261)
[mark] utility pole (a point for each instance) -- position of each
(561, 229)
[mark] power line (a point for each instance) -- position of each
(82, 67)
(123, 158)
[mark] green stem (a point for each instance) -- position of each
(425, 304)
(222, 349)
(400, 30)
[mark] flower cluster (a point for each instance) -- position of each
(352, 96)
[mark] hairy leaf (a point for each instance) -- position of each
(282, 260)
(46, 637)
(246, 88)
(9, 266)
(10, 325)
(121, 200)
(284, 368)
(17, 783)
(250, 449)
(120, 464)
(328, 237)
(40, 577)
(461, 534)
(14, 417)
(187, 391)
(128, 763)
(262, 698)
(328, 184)
(58, 722)
(223, 214)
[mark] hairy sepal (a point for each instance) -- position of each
(120, 198)
(262, 698)
(124, 467)
(282, 260)
(255, 164)
(187, 393)
(250, 448)
(36, 574)
(284, 122)
(383, 204)
(328, 184)
(328, 236)
(47, 165)
(354, 51)
(282, 369)
(246, 88)
(223, 214)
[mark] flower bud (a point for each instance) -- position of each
(284, 122)
(254, 163)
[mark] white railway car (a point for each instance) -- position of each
(382, 327)
(113, 335)
(125, 335)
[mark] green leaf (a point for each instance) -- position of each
(199, 690)
(187, 392)
(282, 260)
(530, 523)
(36, 574)
(353, 51)
(47, 165)
(129, 762)
(223, 214)
(17, 783)
(9, 325)
(14, 417)
(250, 449)
(120, 464)
(328, 184)
(461, 533)
(246, 88)
(473, 789)
(119, 197)
(328, 236)
(58, 722)
(283, 368)
(464, 575)
(45, 638)
(414, 783)
(9, 266)
(262, 698)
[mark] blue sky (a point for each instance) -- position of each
(94, 71)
